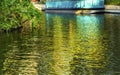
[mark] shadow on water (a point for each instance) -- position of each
(64, 44)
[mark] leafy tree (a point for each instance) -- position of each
(14, 13)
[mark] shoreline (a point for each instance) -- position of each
(113, 9)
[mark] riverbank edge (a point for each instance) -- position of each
(113, 9)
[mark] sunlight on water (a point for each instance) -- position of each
(64, 44)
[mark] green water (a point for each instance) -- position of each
(63, 44)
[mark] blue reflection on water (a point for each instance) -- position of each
(90, 24)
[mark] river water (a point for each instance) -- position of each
(63, 44)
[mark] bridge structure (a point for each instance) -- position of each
(74, 4)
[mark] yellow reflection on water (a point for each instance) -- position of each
(60, 55)
(90, 51)
(16, 64)
(20, 59)
(85, 50)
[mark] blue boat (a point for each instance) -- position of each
(75, 4)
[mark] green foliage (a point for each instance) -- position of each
(42, 1)
(112, 2)
(14, 13)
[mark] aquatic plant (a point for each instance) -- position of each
(16, 13)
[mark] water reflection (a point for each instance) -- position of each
(82, 50)
(90, 57)
(64, 44)
(113, 27)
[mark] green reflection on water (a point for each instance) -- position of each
(63, 44)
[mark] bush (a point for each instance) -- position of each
(112, 2)
(14, 13)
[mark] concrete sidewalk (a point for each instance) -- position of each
(112, 7)
(105, 11)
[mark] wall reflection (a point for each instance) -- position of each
(90, 57)
(84, 51)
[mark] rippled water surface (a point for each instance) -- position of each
(63, 44)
